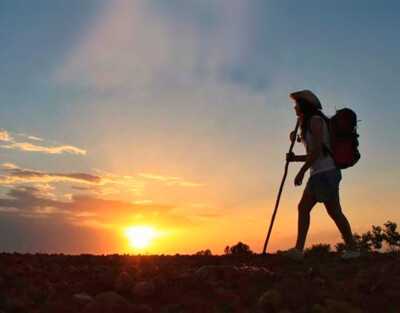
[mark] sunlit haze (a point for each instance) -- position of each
(140, 236)
(161, 127)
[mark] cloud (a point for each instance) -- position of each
(9, 166)
(54, 235)
(94, 223)
(101, 183)
(4, 135)
(170, 180)
(206, 216)
(27, 199)
(99, 190)
(123, 183)
(27, 202)
(143, 201)
(45, 188)
(16, 175)
(35, 138)
(183, 183)
(26, 146)
(31, 137)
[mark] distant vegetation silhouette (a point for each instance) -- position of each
(239, 249)
(373, 240)
(204, 252)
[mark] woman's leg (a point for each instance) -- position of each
(335, 212)
(305, 206)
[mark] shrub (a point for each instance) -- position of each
(374, 239)
(391, 236)
(318, 249)
(204, 252)
(239, 249)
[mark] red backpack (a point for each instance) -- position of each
(344, 138)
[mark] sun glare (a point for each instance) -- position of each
(140, 236)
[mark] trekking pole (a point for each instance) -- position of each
(280, 189)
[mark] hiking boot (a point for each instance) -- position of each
(293, 254)
(351, 255)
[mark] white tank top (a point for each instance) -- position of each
(324, 162)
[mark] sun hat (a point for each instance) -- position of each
(308, 96)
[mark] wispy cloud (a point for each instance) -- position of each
(124, 183)
(205, 216)
(46, 190)
(17, 175)
(27, 202)
(143, 201)
(26, 146)
(4, 135)
(101, 183)
(99, 190)
(31, 137)
(170, 180)
(9, 166)
(29, 147)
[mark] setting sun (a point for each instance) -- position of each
(140, 236)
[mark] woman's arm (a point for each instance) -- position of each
(316, 130)
(291, 157)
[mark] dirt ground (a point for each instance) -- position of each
(204, 284)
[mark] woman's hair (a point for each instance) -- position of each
(308, 110)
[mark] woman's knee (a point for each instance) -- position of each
(304, 207)
(306, 203)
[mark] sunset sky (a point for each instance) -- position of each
(175, 115)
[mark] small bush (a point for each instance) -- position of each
(374, 239)
(318, 250)
(239, 249)
(206, 252)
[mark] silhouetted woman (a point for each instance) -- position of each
(323, 184)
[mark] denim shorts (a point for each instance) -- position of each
(325, 185)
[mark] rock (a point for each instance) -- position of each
(143, 289)
(160, 283)
(71, 268)
(57, 306)
(171, 308)
(17, 304)
(124, 283)
(318, 308)
(108, 302)
(27, 269)
(2, 282)
(271, 300)
(243, 283)
(357, 311)
(337, 306)
(225, 294)
(81, 300)
(198, 301)
(373, 303)
(144, 308)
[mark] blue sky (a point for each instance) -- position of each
(183, 105)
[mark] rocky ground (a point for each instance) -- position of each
(204, 284)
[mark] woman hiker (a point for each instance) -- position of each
(323, 184)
